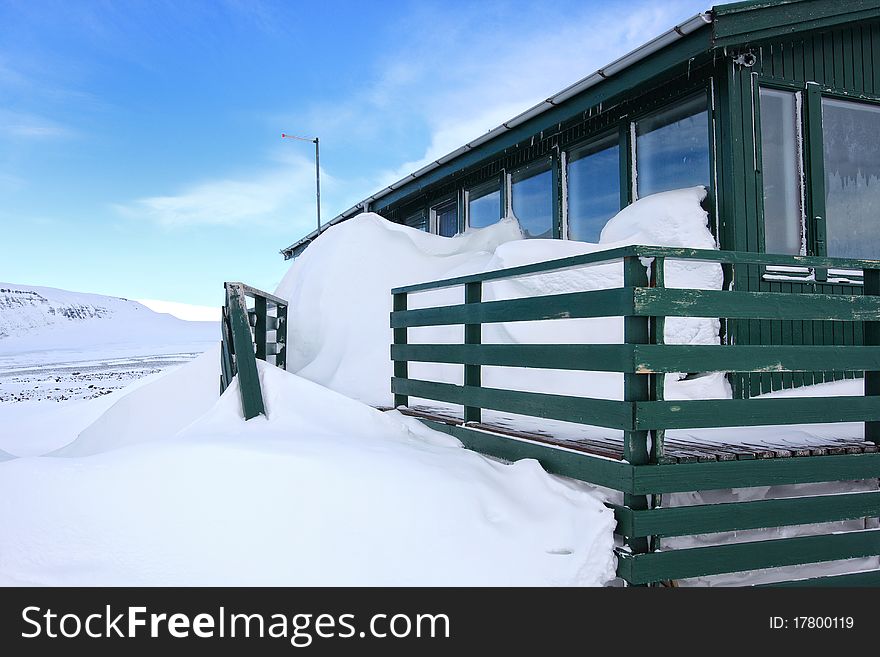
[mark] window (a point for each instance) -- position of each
(531, 198)
(593, 175)
(781, 171)
(851, 152)
(672, 148)
(418, 221)
(484, 204)
(446, 218)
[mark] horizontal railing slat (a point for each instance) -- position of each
(733, 516)
(867, 578)
(670, 253)
(754, 358)
(644, 359)
(706, 413)
(669, 302)
(574, 305)
(685, 477)
(597, 412)
(738, 557)
(592, 357)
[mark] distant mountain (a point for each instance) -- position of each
(42, 319)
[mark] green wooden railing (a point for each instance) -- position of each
(643, 474)
(248, 334)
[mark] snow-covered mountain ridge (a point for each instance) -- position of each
(42, 318)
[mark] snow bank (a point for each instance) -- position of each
(153, 410)
(339, 334)
(325, 491)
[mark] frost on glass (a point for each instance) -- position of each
(446, 216)
(593, 176)
(672, 148)
(484, 205)
(851, 145)
(781, 171)
(531, 197)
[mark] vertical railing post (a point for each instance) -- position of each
(657, 382)
(281, 335)
(260, 310)
(636, 388)
(872, 338)
(401, 367)
(473, 335)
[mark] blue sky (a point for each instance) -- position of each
(140, 149)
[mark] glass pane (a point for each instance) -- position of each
(672, 148)
(447, 218)
(484, 205)
(851, 140)
(531, 197)
(593, 176)
(780, 167)
(418, 221)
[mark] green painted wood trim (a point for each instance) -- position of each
(597, 412)
(754, 305)
(814, 161)
(636, 388)
(281, 336)
(686, 477)
(754, 358)
(705, 413)
(733, 516)
(473, 294)
(567, 463)
(260, 326)
(401, 368)
(738, 557)
(649, 359)
(243, 347)
(872, 337)
(591, 357)
(596, 303)
(734, 25)
(868, 579)
(671, 253)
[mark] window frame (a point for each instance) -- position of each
(454, 197)
(497, 182)
(614, 132)
(553, 159)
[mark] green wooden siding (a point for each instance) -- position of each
(840, 60)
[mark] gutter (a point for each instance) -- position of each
(642, 52)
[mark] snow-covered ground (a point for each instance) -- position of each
(161, 482)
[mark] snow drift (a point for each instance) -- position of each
(340, 286)
(324, 491)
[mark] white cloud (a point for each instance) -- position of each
(285, 193)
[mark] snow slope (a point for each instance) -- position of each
(325, 491)
(40, 324)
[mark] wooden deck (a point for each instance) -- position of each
(676, 450)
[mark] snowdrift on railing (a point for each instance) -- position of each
(339, 293)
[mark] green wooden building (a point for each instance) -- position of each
(774, 107)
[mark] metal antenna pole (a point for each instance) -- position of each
(318, 180)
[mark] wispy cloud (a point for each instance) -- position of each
(23, 125)
(284, 193)
(490, 64)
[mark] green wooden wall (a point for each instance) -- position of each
(839, 61)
